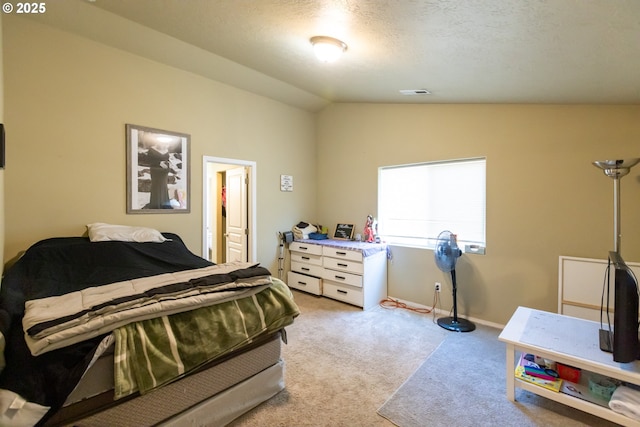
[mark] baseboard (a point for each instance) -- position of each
(441, 312)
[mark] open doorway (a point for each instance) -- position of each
(229, 201)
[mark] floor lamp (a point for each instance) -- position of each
(616, 169)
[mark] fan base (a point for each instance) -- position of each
(457, 325)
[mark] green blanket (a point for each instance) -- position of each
(153, 352)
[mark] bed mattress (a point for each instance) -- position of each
(165, 403)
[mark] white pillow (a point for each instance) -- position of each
(101, 232)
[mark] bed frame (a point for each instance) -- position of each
(76, 379)
(214, 395)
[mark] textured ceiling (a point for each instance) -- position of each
(463, 51)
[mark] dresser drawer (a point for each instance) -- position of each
(344, 293)
(313, 285)
(305, 268)
(342, 253)
(342, 277)
(305, 248)
(343, 265)
(306, 258)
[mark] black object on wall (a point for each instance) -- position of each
(1, 146)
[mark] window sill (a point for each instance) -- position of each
(466, 249)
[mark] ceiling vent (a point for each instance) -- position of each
(413, 92)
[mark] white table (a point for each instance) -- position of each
(567, 340)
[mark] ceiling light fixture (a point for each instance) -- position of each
(327, 49)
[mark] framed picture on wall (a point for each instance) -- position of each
(157, 171)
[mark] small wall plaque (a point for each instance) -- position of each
(286, 182)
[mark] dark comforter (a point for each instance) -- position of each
(61, 265)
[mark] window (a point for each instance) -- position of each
(416, 202)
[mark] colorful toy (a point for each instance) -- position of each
(369, 236)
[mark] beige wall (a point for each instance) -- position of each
(544, 198)
(67, 101)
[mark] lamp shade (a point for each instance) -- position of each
(327, 49)
(616, 168)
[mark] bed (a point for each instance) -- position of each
(111, 332)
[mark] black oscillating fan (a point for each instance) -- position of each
(446, 255)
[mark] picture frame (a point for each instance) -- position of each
(158, 171)
(344, 232)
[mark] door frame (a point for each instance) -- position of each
(251, 202)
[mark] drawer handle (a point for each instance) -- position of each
(341, 277)
(306, 258)
(340, 253)
(341, 291)
(304, 248)
(343, 265)
(302, 283)
(305, 269)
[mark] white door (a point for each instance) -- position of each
(213, 168)
(236, 208)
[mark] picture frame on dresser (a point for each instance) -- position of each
(344, 232)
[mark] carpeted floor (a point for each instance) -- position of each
(463, 384)
(344, 364)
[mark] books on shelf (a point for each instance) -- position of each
(581, 391)
(578, 389)
(547, 382)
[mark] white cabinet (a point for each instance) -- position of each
(580, 282)
(352, 272)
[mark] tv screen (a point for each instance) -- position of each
(626, 346)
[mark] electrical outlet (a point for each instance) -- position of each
(438, 286)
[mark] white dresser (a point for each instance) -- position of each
(352, 272)
(306, 267)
